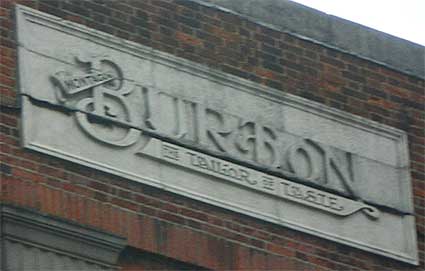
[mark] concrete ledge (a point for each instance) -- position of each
(330, 31)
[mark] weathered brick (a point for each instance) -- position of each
(188, 21)
(355, 94)
(122, 25)
(139, 22)
(273, 67)
(264, 39)
(51, 10)
(185, 38)
(5, 169)
(188, 4)
(267, 57)
(235, 71)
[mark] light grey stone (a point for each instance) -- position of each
(113, 98)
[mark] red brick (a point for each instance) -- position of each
(99, 206)
(91, 213)
(125, 204)
(265, 73)
(280, 250)
(10, 141)
(279, 263)
(44, 199)
(147, 240)
(116, 222)
(171, 217)
(18, 195)
(194, 214)
(419, 192)
(397, 91)
(50, 204)
(258, 259)
(78, 189)
(383, 103)
(58, 173)
(7, 61)
(242, 260)
(175, 244)
(26, 194)
(29, 3)
(6, 92)
(107, 217)
(81, 210)
(66, 205)
(210, 248)
(28, 165)
(133, 229)
(7, 71)
(28, 175)
(185, 38)
(3, 13)
(172, 208)
(73, 207)
(7, 81)
(76, 19)
(56, 202)
(124, 229)
(8, 52)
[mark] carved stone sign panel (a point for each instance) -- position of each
(164, 121)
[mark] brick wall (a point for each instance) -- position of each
(173, 226)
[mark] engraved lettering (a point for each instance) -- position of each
(310, 196)
(260, 140)
(268, 183)
(247, 177)
(321, 198)
(180, 120)
(218, 135)
(212, 127)
(170, 152)
(315, 197)
(164, 112)
(147, 100)
(333, 202)
(301, 161)
(343, 173)
(173, 120)
(222, 168)
(332, 163)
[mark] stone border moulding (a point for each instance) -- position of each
(25, 15)
(58, 236)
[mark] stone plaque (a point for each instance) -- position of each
(148, 116)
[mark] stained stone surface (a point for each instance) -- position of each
(164, 121)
